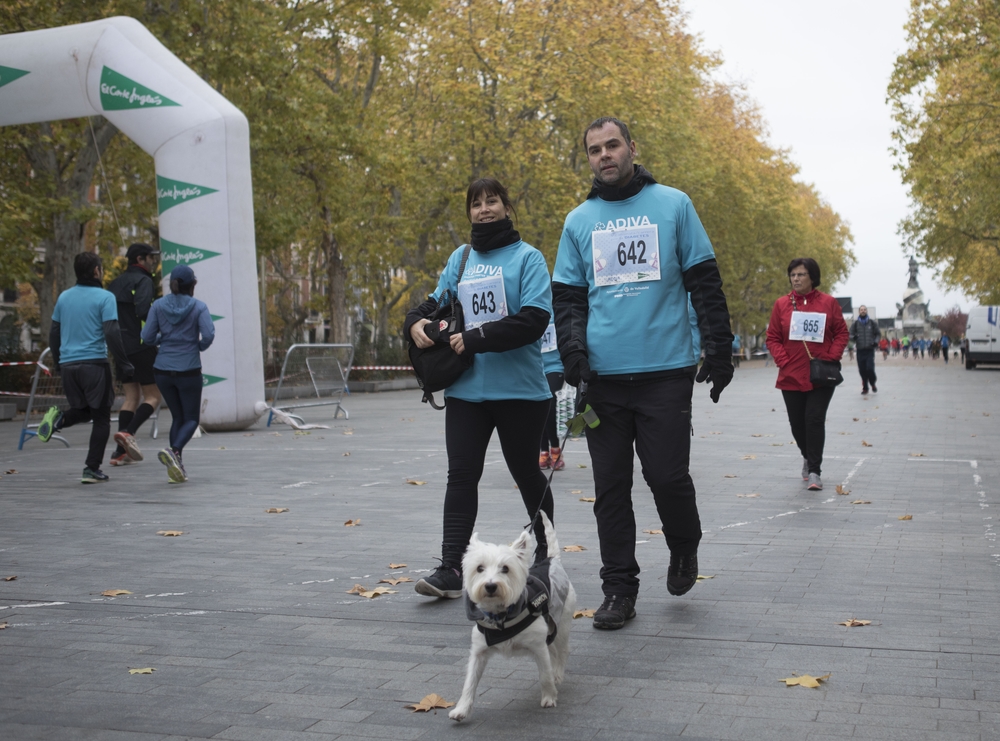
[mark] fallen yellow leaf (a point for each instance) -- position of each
(393, 580)
(170, 533)
(749, 496)
(430, 702)
(221, 447)
(3, 626)
(397, 566)
(917, 455)
(749, 457)
(373, 593)
(855, 419)
(357, 589)
(114, 592)
(580, 465)
(730, 476)
(866, 444)
(861, 501)
(584, 613)
(842, 489)
(777, 445)
(588, 499)
(276, 510)
(573, 548)
(10, 471)
(703, 578)
(348, 432)
(654, 532)
(9, 578)
(353, 523)
(415, 482)
(905, 517)
(147, 670)
(347, 453)
(755, 435)
(806, 680)
(855, 623)
(576, 491)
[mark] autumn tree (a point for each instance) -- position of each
(945, 92)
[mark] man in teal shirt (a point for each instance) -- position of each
(84, 326)
(629, 257)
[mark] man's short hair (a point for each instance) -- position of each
(811, 266)
(599, 124)
(84, 264)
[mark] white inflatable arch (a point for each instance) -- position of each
(200, 144)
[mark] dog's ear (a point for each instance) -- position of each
(474, 540)
(522, 545)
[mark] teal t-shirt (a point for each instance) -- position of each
(81, 312)
(496, 284)
(631, 255)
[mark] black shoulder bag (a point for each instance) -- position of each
(822, 373)
(438, 366)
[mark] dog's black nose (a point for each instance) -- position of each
(491, 588)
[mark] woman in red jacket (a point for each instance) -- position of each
(819, 331)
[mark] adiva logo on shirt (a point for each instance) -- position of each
(615, 224)
(482, 270)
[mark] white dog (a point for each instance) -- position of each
(517, 610)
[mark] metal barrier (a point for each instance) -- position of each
(47, 391)
(324, 368)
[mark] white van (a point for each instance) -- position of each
(983, 336)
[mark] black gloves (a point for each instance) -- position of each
(579, 370)
(717, 368)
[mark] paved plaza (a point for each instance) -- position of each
(247, 621)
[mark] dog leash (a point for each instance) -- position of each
(588, 417)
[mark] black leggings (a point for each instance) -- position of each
(183, 397)
(468, 429)
(550, 438)
(807, 416)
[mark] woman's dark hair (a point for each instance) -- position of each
(811, 267)
(487, 187)
(84, 264)
(186, 289)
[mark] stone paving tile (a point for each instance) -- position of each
(246, 619)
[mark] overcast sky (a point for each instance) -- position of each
(819, 72)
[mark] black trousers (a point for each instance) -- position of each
(807, 416)
(468, 429)
(655, 418)
(183, 397)
(89, 389)
(550, 438)
(866, 367)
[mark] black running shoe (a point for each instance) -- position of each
(613, 612)
(445, 582)
(682, 574)
(93, 477)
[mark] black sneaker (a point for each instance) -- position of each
(875, 390)
(682, 574)
(613, 612)
(93, 477)
(445, 582)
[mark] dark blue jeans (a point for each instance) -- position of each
(183, 397)
(866, 367)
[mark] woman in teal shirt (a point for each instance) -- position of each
(507, 302)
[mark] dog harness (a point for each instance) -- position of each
(532, 604)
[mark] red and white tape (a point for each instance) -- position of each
(24, 362)
(381, 367)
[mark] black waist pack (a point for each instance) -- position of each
(438, 367)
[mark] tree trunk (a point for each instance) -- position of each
(70, 180)
(336, 283)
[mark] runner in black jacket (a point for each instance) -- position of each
(134, 291)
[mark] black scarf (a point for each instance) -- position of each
(640, 177)
(494, 234)
(91, 281)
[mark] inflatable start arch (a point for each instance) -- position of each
(200, 144)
